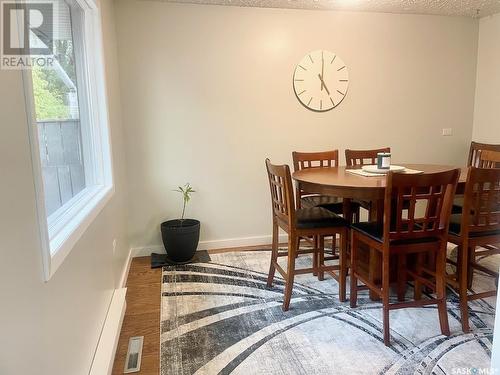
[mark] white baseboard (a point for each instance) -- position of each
(213, 244)
(126, 269)
(238, 242)
(108, 342)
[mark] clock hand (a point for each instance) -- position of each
(322, 71)
(323, 83)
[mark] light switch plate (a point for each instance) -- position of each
(447, 131)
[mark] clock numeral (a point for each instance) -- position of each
(310, 58)
(309, 102)
(300, 93)
(302, 67)
(333, 103)
(331, 62)
(341, 93)
(298, 80)
(343, 80)
(321, 104)
(339, 69)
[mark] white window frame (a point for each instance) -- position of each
(62, 229)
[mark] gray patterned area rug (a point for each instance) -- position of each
(219, 318)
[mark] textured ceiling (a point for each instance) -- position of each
(467, 8)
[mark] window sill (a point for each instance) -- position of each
(69, 227)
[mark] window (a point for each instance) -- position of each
(68, 128)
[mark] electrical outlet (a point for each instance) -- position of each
(447, 131)
(114, 245)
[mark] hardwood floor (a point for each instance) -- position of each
(142, 317)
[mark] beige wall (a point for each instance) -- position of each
(208, 96)
(487, 104)
(53, 328)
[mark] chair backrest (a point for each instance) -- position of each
(280, 183)
(429, 198)
(304, 160)
(475, 152)
(482, 201)
(489, 159)
(358, 158)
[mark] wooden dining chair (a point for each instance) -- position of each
(474, 160)
(315, 222)
(356, 159)
(479, 228)
(359, 158)
(420, 231)
(475, 152)
(489, 159)
(305, 160)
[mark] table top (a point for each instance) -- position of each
(336, 181)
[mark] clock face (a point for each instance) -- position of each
(321, 80)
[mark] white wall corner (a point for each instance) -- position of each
(108, 341)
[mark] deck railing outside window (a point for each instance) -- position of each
(62, 161)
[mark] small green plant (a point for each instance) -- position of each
(186, 192)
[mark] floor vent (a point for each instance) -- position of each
(134, 354)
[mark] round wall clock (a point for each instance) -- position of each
(321, 80)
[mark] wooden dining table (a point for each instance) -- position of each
(338, 182)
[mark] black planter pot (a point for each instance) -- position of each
(180, 238)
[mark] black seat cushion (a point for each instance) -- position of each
(367, 204)
(375, 232)
(456, 224)
(318, 217)
(337, 208)
(333, 204)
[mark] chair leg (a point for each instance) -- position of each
(441, 291)
(374, 268)
(343, 266)
(297, 248)
(315, 256)
(321, 258)
(353, 295)
(417, 284)
(385, 297)
(290, 272)
(274, 256)
(457, 268)
(401, 277)
(462, 289)
(431, 264)
(471, 257)
(334, 245)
